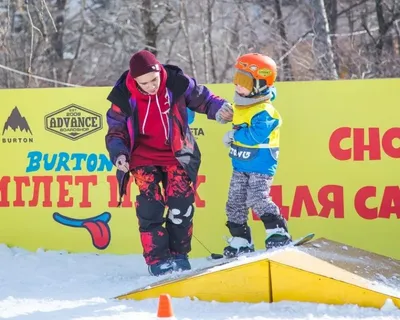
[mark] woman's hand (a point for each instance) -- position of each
(225, 114)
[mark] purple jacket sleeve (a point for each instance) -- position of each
(200, 99)
(117, 137)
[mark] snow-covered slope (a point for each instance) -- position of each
(55, 285)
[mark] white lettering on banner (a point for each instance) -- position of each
(240, 154)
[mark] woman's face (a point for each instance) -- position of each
(149, 82)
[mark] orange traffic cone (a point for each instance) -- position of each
(165, 307)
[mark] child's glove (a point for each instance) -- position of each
(225, 113)
(228, 138)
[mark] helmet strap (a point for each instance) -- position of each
(259, 86)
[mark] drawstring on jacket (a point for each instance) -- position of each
(165, 126)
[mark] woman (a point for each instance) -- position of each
(149, 137)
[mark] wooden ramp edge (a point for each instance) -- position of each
(369, 265)
(223, 284)
(292, 274)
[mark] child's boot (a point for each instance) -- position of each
(277, 232)
(240, 242)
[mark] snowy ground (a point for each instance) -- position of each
(56, 285)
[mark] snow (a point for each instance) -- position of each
(57, 285)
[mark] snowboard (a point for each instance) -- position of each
(295, 243)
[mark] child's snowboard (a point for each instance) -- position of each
(295, 243)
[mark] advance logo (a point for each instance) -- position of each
(73, 122)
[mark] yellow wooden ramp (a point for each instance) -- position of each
(220, 283)
(307, 273)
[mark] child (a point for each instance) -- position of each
(254, 149)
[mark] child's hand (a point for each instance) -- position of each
(228, 138)
(225, 114)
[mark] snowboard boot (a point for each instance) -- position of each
(161, 268)
(240, 242)
(276, 238)
(277, 232)
(181, 262)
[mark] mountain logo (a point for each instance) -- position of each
(16, 129)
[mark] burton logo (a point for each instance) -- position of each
(16, 129)
(73, 122)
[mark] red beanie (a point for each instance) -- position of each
(143, 62)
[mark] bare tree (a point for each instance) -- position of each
(79, 42)
(322, 43)
(150, 27)
(284, 45)
(210, 7)
(184, 21)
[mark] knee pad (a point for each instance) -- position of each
(180, 228)
(180, 211)
(181, 216)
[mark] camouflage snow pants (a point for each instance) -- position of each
(250, 190)
(160, 187)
